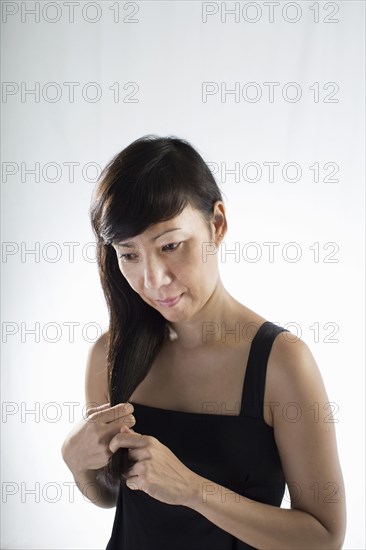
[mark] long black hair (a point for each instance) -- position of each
(152, 180)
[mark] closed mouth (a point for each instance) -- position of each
(169, 300)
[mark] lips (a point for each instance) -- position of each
(169, 301)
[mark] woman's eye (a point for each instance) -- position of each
(132, 257)
(175, 245)
(127, 257)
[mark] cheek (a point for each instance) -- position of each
(130, 277)
(205, 262)
(198, 272)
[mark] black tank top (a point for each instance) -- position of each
(237, 452)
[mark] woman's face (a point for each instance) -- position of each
(173, 259)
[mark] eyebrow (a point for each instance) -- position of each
(131, 244)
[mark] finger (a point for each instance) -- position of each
(132, 483)
(127, 440)
(124, 424)
(124, 428)
(128, 421)
(92, 409)
(94, 406)
(117, 412)
(112, 414)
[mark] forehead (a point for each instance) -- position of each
(189, 218)
(186, 217)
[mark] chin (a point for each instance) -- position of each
(173, 316)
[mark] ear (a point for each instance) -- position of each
(219, 222)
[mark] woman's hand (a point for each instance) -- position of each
(87, 445)
(157, 472)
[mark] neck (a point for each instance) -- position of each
(207, 326)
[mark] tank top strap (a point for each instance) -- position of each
(255, 375)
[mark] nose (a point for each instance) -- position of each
(156, 274)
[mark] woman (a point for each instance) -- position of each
(223, 399)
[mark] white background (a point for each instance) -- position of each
(168, 52)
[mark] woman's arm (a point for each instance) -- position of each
(94, 484)
(305, 437)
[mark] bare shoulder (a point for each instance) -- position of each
(290, 363)
(96, 373)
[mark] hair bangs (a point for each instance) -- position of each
(159, 193)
